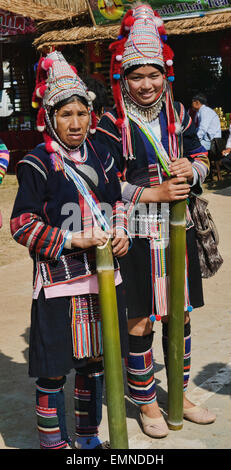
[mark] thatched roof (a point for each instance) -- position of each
(83, 34)
(62, 22)
(45, 10)
(77, 35)
(208, 23)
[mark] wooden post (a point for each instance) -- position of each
(111, 348)
(91, 13)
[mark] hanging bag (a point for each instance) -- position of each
(206, 233)
(207, 237)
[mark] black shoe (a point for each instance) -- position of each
(103, 445)
(226, 163)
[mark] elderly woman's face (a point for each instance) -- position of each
(72, 123)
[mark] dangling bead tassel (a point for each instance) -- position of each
(93, 123)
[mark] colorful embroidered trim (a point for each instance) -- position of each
(4, 160)
(87, 196)
(88, 403)
(48, 408)
(86, 326)
(68, 268)
(140, 375)
(29, 230)
(187, 360)
(157, 145)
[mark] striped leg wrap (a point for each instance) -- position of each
(187, 351)
(187, 355)
(140, 370)
(50, 410)
(88, 399)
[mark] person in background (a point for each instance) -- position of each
(209, 125)
(226, 160)
(4, 162)
(193, 114)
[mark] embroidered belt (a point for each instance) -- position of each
(67, 268)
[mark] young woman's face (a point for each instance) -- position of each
(72, 123)
(145, 83)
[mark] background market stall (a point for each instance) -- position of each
(18, 58)
(201, 42)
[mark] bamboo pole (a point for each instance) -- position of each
(176, 314)
(111, 347)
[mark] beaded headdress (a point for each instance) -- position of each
(56, 80)
(143, 45)
(141, 41)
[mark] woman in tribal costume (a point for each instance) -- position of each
(57, 216)
(145, 132)
(4, 162)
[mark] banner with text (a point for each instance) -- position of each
(12, 24)
(112, 11)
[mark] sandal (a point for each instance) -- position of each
(199, 415)
(154, 427)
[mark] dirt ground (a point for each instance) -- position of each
(210, 378)
(9, 249)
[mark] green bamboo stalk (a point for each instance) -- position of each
(112, 349)
(176, 314)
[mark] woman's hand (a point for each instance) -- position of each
(97, 237)
(181, 167)
(93, 237)
(172, 189)
(120, 243)
(226, 151)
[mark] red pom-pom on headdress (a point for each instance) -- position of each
(93, 122)
(50, 144)
(117, 49)
(41, 120)
(128, 21)
(41, 75)
(46, 63)
(168, 55)
(43, 66)
(40, 90)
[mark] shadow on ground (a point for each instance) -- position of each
(18, 426)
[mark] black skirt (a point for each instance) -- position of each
(136, 274)
(50, 348)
